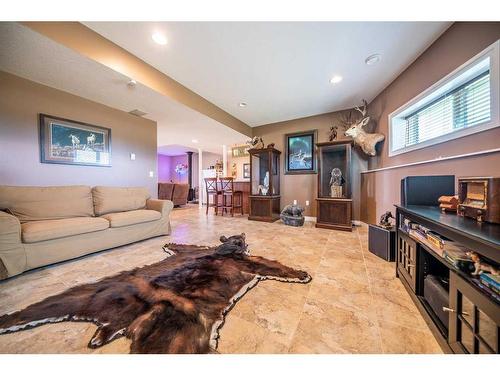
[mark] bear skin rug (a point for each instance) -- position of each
(176, 305)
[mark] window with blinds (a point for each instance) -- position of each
(466, 106)
(464, 102)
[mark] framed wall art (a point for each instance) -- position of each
(240, 151)
(64, 141)
(300, 155)
(246, 170)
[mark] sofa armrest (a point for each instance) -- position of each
(12, 254)
(162, 206)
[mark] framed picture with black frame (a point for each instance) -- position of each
(300, 153)
(246, 170)
(64, 141)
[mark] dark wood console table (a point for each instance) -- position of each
(473, 315)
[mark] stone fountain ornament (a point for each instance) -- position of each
(292, 215)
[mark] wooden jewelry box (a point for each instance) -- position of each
(479, 198)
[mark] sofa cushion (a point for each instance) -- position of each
(36, 231)
(33, 203)
(109, 199)
(122, 219)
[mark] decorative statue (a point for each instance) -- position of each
(480, 267)
(336, 182)
(365, 140)
(234, 172)
(256, 143)
(385, 220)
(263, 189)
(333, 133)
(270, 145)
(292, 215)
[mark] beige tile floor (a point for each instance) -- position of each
(354, 303)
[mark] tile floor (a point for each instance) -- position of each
(354, 303)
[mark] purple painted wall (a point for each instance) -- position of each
(166, 169)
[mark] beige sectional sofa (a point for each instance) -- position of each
(45, 225)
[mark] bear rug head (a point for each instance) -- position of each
(176, 305)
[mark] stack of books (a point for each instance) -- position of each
(489, 284)
(491, 281)
(432, 240)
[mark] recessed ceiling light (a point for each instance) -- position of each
(242, 104)
(336, 79)
(159, 38)
(194, 140)
(373, 59)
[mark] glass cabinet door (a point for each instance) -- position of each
(275, 174)
(474, 319)
(260, 173)
(335, 177)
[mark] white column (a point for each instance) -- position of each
(224, 161)
(201, 182)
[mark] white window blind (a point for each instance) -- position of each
(464, 102)
(466, 106)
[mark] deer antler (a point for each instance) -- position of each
(346, 120)
(363, 109)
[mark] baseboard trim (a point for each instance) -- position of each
(310, 218)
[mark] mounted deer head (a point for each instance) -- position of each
(365, 140)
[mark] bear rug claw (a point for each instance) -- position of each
(176, 305)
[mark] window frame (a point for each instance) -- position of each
(397, 117)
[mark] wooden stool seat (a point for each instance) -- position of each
(231, 199)
(213, 190)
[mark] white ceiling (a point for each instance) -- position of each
(281, 69)
(176, 150)
(28, 54)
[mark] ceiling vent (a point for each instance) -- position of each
(138, 113)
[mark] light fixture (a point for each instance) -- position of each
(194, 140)
(242, 104)
(159, 38)
(132, 83)
(336, 79)
(373, 59)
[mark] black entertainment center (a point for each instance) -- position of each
(462, 313)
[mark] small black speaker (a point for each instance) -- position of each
(382, 242)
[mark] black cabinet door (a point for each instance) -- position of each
(474, 319)
(407, 260)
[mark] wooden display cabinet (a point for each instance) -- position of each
(264, 184)
(334, 203)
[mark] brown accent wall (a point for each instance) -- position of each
(20, 103)
(304, 187)
(462, 41)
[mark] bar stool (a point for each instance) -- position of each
(228, 193)
(213, 190)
